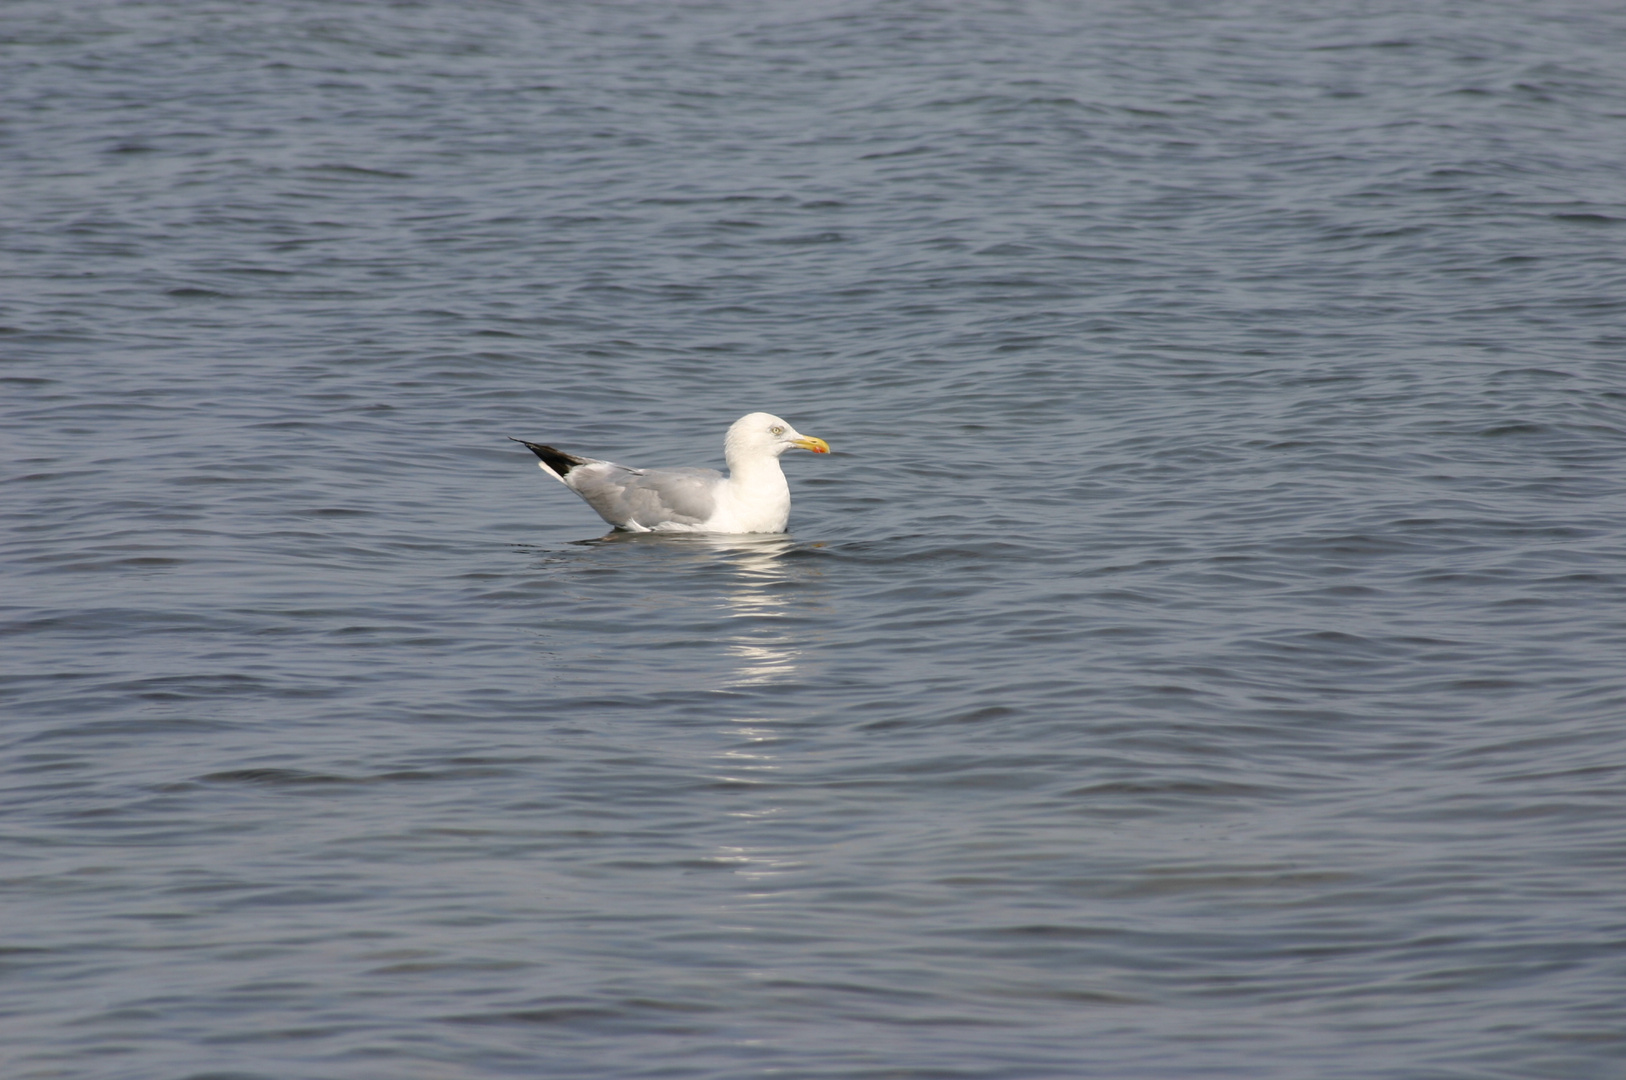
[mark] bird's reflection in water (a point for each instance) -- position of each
(761, 600)
(763, 639)
(762, 642)
(757, 596)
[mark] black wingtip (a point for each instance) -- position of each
(557, 461)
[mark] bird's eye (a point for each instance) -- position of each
(777, 430)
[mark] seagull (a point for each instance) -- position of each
(752, 498)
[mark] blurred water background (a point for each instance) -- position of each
(1203, 655)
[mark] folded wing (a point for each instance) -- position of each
(646, 498)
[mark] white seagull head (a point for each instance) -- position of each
(765, 435)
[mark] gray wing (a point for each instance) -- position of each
(646, 498)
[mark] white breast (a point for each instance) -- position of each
(758, 504)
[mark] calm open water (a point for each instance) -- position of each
(1204, 654)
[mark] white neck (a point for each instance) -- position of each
(756, 497)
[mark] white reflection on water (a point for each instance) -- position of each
(762, 645)
(766, 647)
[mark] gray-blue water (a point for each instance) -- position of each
(1204, 654)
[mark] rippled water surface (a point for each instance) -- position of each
(1203, 655)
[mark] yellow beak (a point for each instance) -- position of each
(808, 442)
